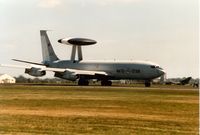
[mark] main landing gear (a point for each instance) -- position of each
(83, 82)
(106, 83)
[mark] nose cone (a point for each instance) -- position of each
(161, 72)
(60, 41)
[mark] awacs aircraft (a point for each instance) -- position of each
(83, 71)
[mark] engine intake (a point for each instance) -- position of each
(37, 72)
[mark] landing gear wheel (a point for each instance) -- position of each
(82, 82)
(106, 83)
(147, 84)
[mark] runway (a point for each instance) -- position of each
(44, 109)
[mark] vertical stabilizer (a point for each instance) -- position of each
(48, 53)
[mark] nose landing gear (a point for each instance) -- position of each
(147, 83)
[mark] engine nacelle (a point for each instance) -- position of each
(66, 75)
(37, 72)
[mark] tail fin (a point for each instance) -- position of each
(48, 53)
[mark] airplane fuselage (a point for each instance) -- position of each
(116, 70)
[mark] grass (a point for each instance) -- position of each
(98, 110)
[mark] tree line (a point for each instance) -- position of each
(22, 79)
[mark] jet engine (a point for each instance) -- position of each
(37, 72)
(66, 75)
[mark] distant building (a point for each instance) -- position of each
(4, 78)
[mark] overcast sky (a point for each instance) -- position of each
(161, 31)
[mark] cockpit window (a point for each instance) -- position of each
(153, 66)
(159, 67)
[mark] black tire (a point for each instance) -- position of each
(83, 82)
(106, 83)
(147, 84)
(109, 83)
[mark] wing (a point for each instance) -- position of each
(25, 67)
(76, 71)
(13, 66)
(74, 74)
(41, 66)
(65, 73)
(29, 62)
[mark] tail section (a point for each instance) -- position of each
(48, 53)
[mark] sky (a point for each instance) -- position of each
(162, 31)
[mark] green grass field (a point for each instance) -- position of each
(99, 110)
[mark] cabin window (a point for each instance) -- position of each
(135, 71)
(122, 71)
(128, 71)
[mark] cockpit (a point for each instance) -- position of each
(155, 66)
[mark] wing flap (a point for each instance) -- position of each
(77, 71)
(86, 72)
